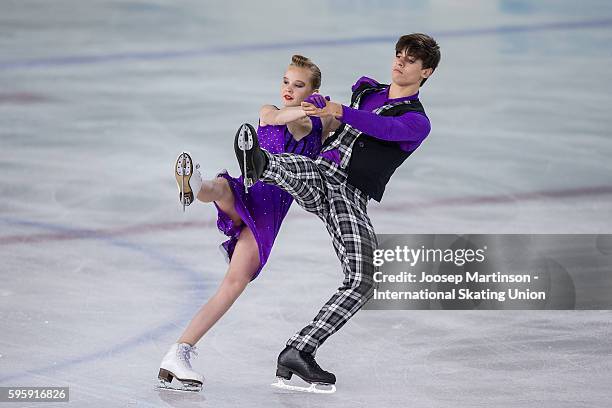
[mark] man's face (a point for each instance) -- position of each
(406, 70)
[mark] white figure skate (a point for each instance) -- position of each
(188, 178)
(175, 364)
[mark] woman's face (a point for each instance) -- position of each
(295, 86)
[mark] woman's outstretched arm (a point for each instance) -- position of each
(271, 115)
(330, 125)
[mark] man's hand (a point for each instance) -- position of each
(317, 100)
(330, 109)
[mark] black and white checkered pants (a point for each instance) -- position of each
(320, 188)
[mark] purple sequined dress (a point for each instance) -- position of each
(265, 206)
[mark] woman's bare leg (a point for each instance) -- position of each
(219, 191)
(244, 263)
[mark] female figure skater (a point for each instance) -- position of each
(250, 220)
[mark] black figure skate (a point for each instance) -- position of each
(250, 157)
(293, 361)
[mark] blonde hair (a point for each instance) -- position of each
(302, 62)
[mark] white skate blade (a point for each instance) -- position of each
(313, 387)
(183, 387)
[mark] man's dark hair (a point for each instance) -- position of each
(421, 46)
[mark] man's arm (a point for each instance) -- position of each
(409, 127)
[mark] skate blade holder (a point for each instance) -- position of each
(184, 170)
(165, 378)
(313, 387)
(245, 142)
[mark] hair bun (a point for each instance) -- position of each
(299, 60)
(303, 62)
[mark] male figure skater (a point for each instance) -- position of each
(382, 126)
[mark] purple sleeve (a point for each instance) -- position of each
(409, 127)
(363, 80)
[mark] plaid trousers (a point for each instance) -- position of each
(320, 188)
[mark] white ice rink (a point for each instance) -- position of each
(100, 270)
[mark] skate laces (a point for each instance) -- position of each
(185, 352)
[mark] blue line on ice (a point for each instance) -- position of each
(169, 262)
(68, 60)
